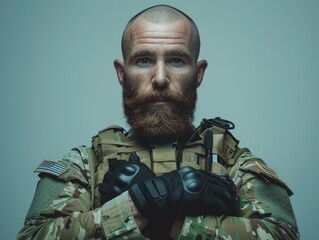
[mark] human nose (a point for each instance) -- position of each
(160, 78)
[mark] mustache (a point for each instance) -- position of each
(169, 96)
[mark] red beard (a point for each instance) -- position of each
(159, 123)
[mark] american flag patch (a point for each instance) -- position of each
(51, 167)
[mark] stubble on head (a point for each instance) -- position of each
(171, 120)
(160, 14)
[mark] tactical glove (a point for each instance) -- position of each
(121, 176)
(187, 192)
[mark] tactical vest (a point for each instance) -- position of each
(210, 140)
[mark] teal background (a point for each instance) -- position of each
(58, 86)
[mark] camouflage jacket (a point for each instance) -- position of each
(66, 203)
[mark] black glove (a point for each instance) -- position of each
(121, 176)
(187, 192)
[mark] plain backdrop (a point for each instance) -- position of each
(58, 86)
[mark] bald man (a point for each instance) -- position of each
(164, 178)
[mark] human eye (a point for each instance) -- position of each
(176, 62)
(144, 62)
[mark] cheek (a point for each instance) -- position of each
(184, 82)
(137, 80)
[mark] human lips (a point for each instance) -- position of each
(160, 101)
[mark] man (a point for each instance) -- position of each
(160, 179)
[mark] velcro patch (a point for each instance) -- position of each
(51, 167)
(265, 171)
(268, 171)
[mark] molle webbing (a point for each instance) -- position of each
(224, 145)
(112, 142)
(164, 159)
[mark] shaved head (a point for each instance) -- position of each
(161, 14)
(160, 74)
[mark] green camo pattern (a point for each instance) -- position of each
(68, 214)
(62, 207)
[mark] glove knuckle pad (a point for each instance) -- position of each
(125, 176)
(130, 169)
(192, 182)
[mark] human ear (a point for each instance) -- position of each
(119, 68)
(201, 67)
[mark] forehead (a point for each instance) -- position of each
(176, 34)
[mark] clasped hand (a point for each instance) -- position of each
(183, 192)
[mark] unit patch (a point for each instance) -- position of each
(51, 167)
(264, 171)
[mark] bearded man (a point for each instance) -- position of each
(164, 179)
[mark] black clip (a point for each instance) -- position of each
(134, 158)
(208, 144)
(219, 122)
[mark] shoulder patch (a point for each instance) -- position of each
(51, 167)
(264, 171)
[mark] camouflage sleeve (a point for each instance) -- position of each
(61, 208)
(265, 208)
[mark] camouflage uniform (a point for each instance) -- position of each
(66, 203)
